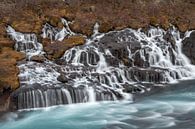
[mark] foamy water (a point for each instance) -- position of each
(172, 108)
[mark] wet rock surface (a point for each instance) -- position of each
(189, 47)
(62, 78)
(37, 58)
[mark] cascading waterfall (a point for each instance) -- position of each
(25, 42)
(55, 33)
(109, 66)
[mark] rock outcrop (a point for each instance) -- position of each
(8, 74)
(189, 47)
(8, 69)
(56, 49)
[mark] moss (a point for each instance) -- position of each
(8, 68)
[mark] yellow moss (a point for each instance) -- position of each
(154, 21)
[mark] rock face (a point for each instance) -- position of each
(8, 69)
(56, 49)
(8, 74)
(189, 47)
(38, 58)
(29, 16)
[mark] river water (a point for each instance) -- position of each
(172, 107)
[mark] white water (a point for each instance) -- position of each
(55, 33)
(173, 108)
(26, 43)
(98, 70)
(92, 95)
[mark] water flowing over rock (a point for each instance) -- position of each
(55, 33)
(189, 45)
(106, 67)
(26, 43)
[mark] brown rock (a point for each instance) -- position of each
(189, 47)
(29, 16)
(56, 49)
(62, 78)
(5, 102)
(38, 58)
(8, 69)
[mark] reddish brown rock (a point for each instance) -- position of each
(38, 58)
(189, 47)
(29, 16)
(8, 69)
(56, 49)
(8, 74)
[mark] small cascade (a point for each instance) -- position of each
(91, 93)
(26, 43)
(131, 56)
(55, 34)
(109, 66)
(34, 97)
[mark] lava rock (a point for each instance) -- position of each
(62, 78)
(8, 68)
(189, 47)
(38, 58)
(56, 49)
(60, 61)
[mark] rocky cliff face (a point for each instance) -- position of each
(30, 16)
(189, 47)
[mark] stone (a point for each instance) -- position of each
(189, 47)
(38, 58)
(8, 68)
(139, 13)
(56, 49)
(62, 78)
(60, 61)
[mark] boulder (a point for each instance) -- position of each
(38, 58)
(62, 78)
(56, 49)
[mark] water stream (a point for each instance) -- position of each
(172, 107)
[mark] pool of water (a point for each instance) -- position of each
(168, 108)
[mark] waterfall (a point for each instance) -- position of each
(55, 33)
(26, 43)
(109, 66)
(34, 98)
(91, 93)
